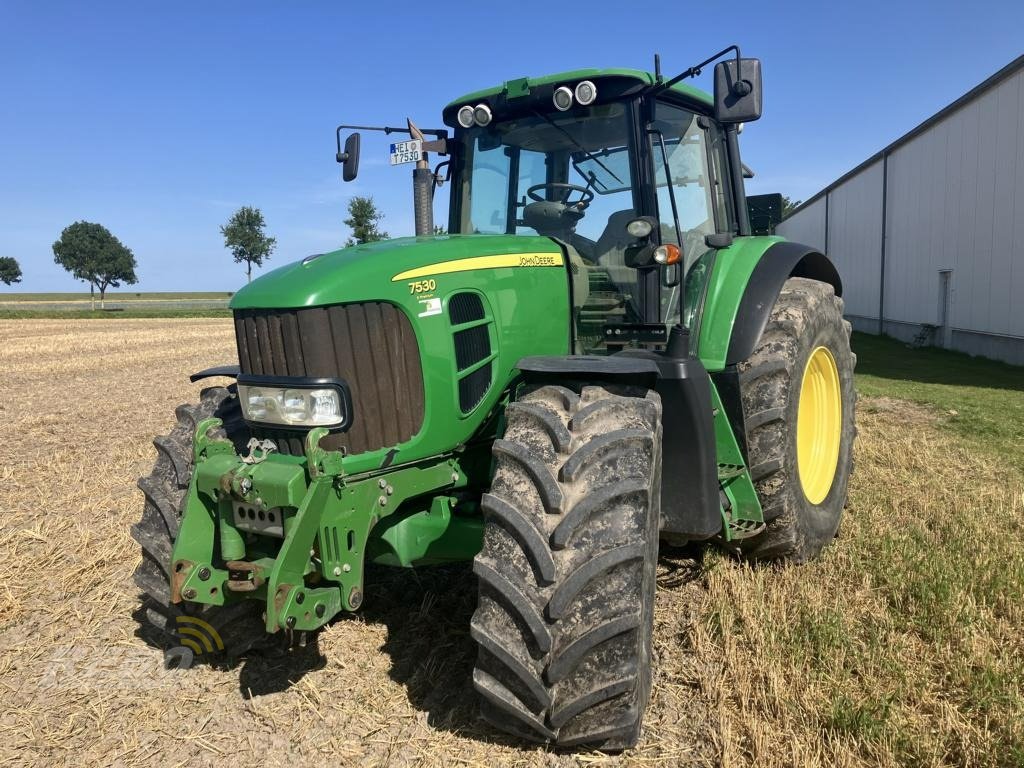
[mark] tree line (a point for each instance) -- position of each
(94, 255)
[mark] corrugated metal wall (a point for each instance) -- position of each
(807, 226)
(954, 198)
(855, 239)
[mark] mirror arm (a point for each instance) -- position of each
(672, 282)
(440, 133)
(696, 70)
(439, 146)
(438, 179)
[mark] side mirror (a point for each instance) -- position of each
(737, 91)
(639, 256)
(350, 158)
(651, 255)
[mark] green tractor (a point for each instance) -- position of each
(597, 356)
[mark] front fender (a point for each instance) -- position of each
(614, 368)
(230, 371)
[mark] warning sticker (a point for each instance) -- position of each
(430, 307)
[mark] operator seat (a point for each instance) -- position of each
(610, 248)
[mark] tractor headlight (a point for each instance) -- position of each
(562, 98)
(641, 227)
(482, 114)
(466, 118)
(586, 92)
(283, 403)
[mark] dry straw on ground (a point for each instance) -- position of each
(752, 665)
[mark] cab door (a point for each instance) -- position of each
(691, 196)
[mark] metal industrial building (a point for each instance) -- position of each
(928, 234)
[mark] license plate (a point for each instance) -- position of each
(406, 152)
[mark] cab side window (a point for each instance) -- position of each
(722, 195)
(688, 152)
(680, 152)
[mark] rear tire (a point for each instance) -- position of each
(806, 317)
(238, 625)
(567, 570)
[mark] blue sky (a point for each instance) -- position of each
(159, 120)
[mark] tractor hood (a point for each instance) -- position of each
(377, 271)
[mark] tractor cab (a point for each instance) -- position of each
(592, 179)
(633, 175)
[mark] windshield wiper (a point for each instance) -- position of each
(576, 144)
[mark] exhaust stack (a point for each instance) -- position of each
(422, 187)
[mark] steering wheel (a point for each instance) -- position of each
(564, 191)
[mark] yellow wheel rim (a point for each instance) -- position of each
(819, 425)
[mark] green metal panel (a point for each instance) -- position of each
(734, 476)
(729, 278)
(523, 281)
(515, 88)
(431, 535)
(328, 525)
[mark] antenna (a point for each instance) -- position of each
(657, 68)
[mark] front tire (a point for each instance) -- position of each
(237, 626)
(567, 570)
(798, 403)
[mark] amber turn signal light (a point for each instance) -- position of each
(668, 254)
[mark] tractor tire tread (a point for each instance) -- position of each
(807, 312)
(565, 610)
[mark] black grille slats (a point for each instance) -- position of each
(465, 308)
(371, 345)
(471, 346)
(473, 387)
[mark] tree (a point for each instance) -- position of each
(90, 253)
(363, 217)
(245, 238)
(788, 206)
(10, 271)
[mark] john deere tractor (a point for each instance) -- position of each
(597, 356)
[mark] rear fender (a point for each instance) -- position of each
(744, 284)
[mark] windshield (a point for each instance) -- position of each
(568, 176)
(585, 148)
(573, 176)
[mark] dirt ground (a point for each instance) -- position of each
(80, 403)
(900, 646)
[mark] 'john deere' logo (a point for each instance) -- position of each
(539, 260)
(198, 635)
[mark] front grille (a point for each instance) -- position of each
(370, 345)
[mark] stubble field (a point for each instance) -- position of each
(903, 645)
